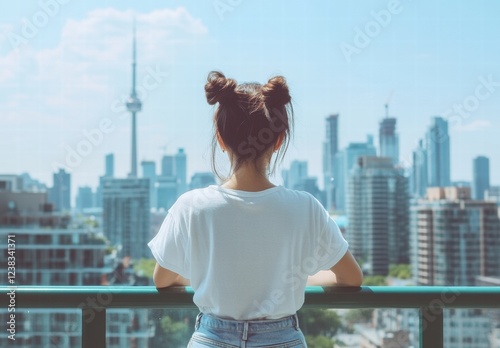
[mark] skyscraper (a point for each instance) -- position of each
(481, 177)
(134, 105)
(126, 215)
(181, 171)
(345, 161)
(109, 172)
(330, 148)
(297, 173)
(149, 172)
(85, 198)
(419, 171)
(438, 153)
(60, 193)
(167, 165)
(200, 180)
(110, 165)
(166, 191)
(389, 139)
(378, 214)
(339, 180)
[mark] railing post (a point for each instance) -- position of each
(94, 328)
(431, 327)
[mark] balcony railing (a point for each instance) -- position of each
(94, 300)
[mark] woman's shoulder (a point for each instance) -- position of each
(196, 198)
(300, 195)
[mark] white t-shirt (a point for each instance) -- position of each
(248, 254)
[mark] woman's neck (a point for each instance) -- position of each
(246, 179)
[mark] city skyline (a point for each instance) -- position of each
(83, 94)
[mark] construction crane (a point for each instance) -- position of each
(387, 104)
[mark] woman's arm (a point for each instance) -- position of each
(164, 278)
(346, 272)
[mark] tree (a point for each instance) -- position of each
(316, 322)
(145, 266)
(401, 271)
(356, 316)
(176, 332)
(318, 341)
(375, 281)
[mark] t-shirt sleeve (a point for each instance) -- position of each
(169, 247)
(329, 246)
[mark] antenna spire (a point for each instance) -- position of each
(134, 63)
(134, 105)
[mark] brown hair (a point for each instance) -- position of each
(250, 117)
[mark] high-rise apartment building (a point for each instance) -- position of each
(126, 215)
(454, 238)
(49, 252)
(378, 214)
(438, 153)
(330, 148)
(480, 177)
(492, 194)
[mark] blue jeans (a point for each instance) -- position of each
(214, 332)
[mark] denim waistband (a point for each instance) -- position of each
(247, 326)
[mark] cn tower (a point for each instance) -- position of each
(134, 105)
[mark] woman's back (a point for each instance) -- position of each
(248, 254)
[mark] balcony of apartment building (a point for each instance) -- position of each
(92, 313)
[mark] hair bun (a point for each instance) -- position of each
(219, 89)
(275, 92)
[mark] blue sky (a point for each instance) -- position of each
(65, 70)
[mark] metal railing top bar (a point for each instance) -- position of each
(315, 297)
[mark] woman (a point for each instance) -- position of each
(249, 247)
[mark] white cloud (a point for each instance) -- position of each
(473, 126)
(91, 52)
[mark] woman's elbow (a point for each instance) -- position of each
(357, 279)
(354, 278)
(163, 277)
